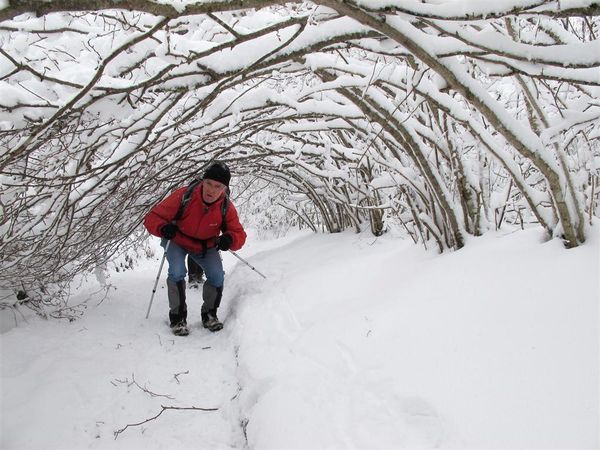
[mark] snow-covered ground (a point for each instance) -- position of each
(351, 342)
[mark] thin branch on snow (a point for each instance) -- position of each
(133, 382)
(176, 376)
(163, 409)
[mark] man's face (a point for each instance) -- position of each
(211, 190)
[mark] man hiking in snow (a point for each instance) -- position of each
(198, 220)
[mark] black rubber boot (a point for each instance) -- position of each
(177, 308)
(210, 321)
(212, 299)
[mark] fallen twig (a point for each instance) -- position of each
(164, 408)
(176, 376)
(147, 391)
(143, 389)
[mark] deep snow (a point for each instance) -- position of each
(351, 342)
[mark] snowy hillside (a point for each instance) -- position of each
(351, 342)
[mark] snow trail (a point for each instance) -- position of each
(350, 342)
(95, 372)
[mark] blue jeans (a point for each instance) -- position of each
(211, 264)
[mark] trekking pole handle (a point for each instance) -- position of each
(247, 263)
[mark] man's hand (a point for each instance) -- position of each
(224, 242)
(168, 231)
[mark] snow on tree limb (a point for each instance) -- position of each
(433, 115)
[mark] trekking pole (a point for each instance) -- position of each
(157, 277)
(246, 262)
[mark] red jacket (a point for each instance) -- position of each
(200, 223)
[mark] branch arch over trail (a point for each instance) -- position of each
(448, 118)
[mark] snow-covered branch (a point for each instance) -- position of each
(432, 115)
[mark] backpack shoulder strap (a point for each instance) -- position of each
(185, 199)
(224, 206)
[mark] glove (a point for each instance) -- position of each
(224, 242)
(168, 231)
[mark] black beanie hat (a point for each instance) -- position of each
(219, 172)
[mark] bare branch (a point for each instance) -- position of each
(163, 409)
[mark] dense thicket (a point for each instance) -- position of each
(446, 117)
